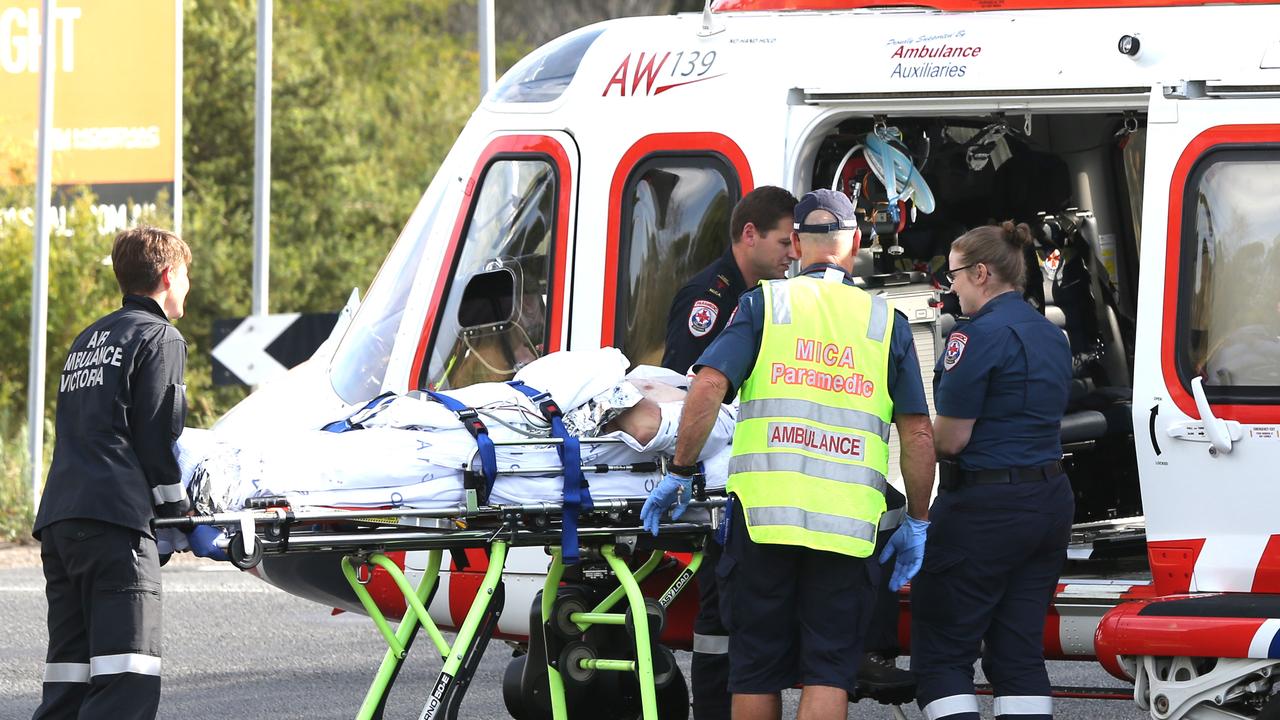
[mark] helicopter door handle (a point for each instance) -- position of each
(1219, 433)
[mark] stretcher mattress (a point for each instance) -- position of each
(410, 451)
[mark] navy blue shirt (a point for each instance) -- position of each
(1010, 369)
(701, 309)
(734, 351)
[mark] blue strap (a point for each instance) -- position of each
(474, 425)
(355, 420)
(577, 495)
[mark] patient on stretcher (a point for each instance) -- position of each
(410, 451)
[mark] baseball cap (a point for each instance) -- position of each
(836, 203)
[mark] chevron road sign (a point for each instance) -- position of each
(253, 350)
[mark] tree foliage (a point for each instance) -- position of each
(367, 98)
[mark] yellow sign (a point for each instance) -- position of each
(115, 108)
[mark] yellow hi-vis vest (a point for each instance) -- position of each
(810, 451)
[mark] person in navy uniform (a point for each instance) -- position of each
(1001, 522)
(121, 406)
(833, 661)
(761, 249)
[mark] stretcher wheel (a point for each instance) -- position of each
(237, 555)
(573, 674)
(665, 670)
(657, 620)
(569, 600)
(512, 688)
(1270, 711)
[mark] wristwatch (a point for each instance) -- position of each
(682, 470)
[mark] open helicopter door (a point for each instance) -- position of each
(1206, 398)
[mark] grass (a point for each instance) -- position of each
(16, 511)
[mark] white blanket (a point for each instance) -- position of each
(411, 451)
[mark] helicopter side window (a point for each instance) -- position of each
(1230, 318)
(675, 221)
(495, 316)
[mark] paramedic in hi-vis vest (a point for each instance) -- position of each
(760, 248)
(822, 369)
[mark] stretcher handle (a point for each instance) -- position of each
(597, 469)
(233, 519)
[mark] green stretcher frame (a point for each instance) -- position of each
(417, 616)
(628, 588)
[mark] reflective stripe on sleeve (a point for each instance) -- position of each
(66, 672)
(879, 321)
(825, 414)
(813, 521)
(951, 705)
(780, 300)
(173, 492)
(805, 465)
(1024, 705)
(711, 644)
(136, 663)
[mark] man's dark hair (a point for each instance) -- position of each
(762, 207)
(139, 255)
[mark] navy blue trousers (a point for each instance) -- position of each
(710, 666)
(992, 562)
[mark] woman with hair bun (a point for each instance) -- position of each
(1003, 515)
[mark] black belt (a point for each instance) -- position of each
(1005, 476)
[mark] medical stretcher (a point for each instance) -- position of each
(574, 628)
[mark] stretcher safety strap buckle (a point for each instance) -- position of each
(577, 494)
(470, 420)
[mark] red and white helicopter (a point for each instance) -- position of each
(1140, 137)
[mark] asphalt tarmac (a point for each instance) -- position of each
(238, 648)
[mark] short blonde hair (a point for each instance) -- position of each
(139, 255)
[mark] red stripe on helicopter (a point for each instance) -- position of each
(1211, 139)
(464, 585)
(1266, 579)
(1172, 564)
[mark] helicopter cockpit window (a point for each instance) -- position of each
(1231, 300)
(359, 364)
(494, 319)
(544, 74)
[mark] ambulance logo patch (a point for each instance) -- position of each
(702, 317)
(955, 349)
(1053, 262)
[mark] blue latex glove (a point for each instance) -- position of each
(674, 490)
(201, 540)
(908, 543)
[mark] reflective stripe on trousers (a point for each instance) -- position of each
(814, 521)
(1024, 705)
(65, 672)
(951, 706)
(711, 644)
(136, 663)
